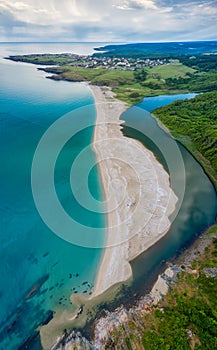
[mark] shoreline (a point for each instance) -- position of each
(108, 320)
(118, 159)
(104, 295)
(148, 201)
(196, 239)
(199, 158)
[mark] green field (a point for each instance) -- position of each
(187, 74)
(114, 77)
(126, 84)
(98, 76)
(172, 70)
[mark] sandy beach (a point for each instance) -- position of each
(137, 192)
(138, 202)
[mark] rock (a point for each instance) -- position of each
(210, 272)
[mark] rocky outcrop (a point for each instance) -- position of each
(106, 327)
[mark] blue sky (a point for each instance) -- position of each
(108, 20)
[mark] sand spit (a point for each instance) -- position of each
(139, 201)
(137, 190)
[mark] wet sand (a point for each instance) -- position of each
(138, 202)
(137, 191)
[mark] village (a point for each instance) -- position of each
(120, 63)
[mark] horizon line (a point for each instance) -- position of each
(104, 42)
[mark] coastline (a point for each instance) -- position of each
(199, 158)
(196, 251)
(106, 324)
(138, 196)
(67, 320)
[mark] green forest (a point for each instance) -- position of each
(194, 123)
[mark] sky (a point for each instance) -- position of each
(108, 20)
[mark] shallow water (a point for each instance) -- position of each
(38, 269)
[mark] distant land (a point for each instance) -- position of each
(134, 71)
(137, 70)
(160, 49)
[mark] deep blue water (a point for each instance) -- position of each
(37, 267)
(151, 103)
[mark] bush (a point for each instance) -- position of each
(134, 95)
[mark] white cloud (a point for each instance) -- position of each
(147, 4)
(13, 5)
(132, 20)
(47, 12)
(136, 4)
(123, 6)
(18, 5)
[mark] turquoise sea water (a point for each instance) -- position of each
(38, 269)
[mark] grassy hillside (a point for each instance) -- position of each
(188, 74)
(98, 76)
(173, 70)
(43, 59)
(194, 123)
(170, 76)
(172, 79)
(129, 86)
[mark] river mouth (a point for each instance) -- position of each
(199, 203)
(197, 212)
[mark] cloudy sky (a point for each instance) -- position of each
(108, 20)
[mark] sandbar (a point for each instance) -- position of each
(139, 199)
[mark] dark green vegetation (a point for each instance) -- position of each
(204, 77)
(186, 319)
(154, 82)
(188, 74)
(153, 50)
(202, 63)
(194, 123)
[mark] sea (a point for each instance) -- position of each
(39, 269)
